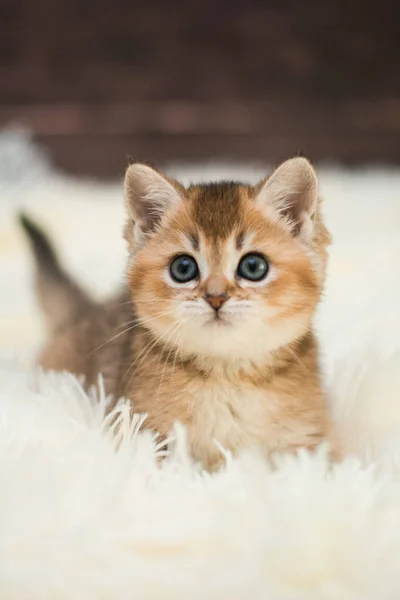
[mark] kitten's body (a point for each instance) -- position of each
(278, 405)
(242, 375)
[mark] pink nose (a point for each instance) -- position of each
(216, 301)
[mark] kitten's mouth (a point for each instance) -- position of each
(218, 320)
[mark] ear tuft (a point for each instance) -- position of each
(148, 196)
(292, 193)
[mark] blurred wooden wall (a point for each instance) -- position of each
(99, 81)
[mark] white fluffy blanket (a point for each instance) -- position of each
(85, 516)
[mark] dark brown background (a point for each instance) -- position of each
(160, 80)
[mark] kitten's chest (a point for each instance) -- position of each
(232, 415)
(228, 412)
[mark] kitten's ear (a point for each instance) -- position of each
(148, 195)
(292, 192)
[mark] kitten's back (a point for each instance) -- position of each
(85, 337)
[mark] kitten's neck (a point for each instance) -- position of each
(145, 343)
(262, 367)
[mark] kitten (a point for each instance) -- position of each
(214, 325)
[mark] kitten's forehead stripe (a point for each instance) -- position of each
(217, 208)
(240, 240)
(194, 240)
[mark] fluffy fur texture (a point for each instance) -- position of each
(80, 520)
(234, 360)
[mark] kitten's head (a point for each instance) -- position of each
(226, 270)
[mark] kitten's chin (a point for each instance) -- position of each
(218, 321)
(238, 341)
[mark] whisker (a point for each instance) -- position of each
(177, 351)
(119, 304)
(179, 331)
(296, 358)
(142, 321)
(108, 341)
(148, 346)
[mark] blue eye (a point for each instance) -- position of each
(253, 267)
(183, 268)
